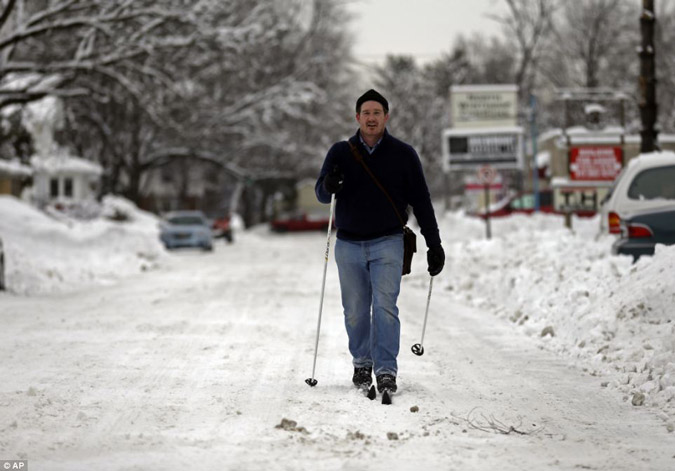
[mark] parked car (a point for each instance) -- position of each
(647, 182)
(519, 203)
(641, 232)
(300, 221)
(186, 229)
(222, 228)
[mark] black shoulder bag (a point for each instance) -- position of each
(409, 237)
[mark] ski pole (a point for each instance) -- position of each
(311, 381)
(418, 349)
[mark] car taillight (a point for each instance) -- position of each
(639, 231)
(614, 223)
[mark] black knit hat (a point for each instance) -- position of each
(372, 95)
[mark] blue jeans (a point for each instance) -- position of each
(370, 277)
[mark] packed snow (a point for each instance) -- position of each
(542, 351)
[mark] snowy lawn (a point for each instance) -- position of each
(132, 358)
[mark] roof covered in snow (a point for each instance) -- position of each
(15, 167)
(65, 164)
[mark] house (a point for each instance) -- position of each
(307, 200)
(186, 183)
(14, 177)
(65, 180)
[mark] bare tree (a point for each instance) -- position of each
(594, 39)
(490, 60)
(416, 111)
(452, 68)
(529, 23)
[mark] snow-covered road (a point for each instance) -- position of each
(197, 364)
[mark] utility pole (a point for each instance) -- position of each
(647, 98)
(535, 167)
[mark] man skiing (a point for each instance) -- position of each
(369, 246)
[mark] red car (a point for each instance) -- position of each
(300, 221)
(222, 228)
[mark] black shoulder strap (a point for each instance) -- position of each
(359, 159)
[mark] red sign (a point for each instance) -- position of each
(595, 163)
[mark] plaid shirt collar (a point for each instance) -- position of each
(368, 148)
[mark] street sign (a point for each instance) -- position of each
(486, 174)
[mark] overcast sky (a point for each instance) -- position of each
(422, 28)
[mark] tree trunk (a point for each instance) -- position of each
(133, 188)
(647, 99)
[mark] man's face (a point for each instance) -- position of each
(372, 119)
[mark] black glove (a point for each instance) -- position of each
(332, 182)
(435, 259)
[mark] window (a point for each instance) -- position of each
(653, 183)
(166, 174)
(68, 187)
(54, 187)
(459, 145)
(187, 221)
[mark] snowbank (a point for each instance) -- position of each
(614, 316)
(47, 255)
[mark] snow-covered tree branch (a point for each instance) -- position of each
(247, 81)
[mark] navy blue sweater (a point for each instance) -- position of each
(362, 210)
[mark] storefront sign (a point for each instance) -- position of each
(467, 149)
(595, 163)
(480, 106)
